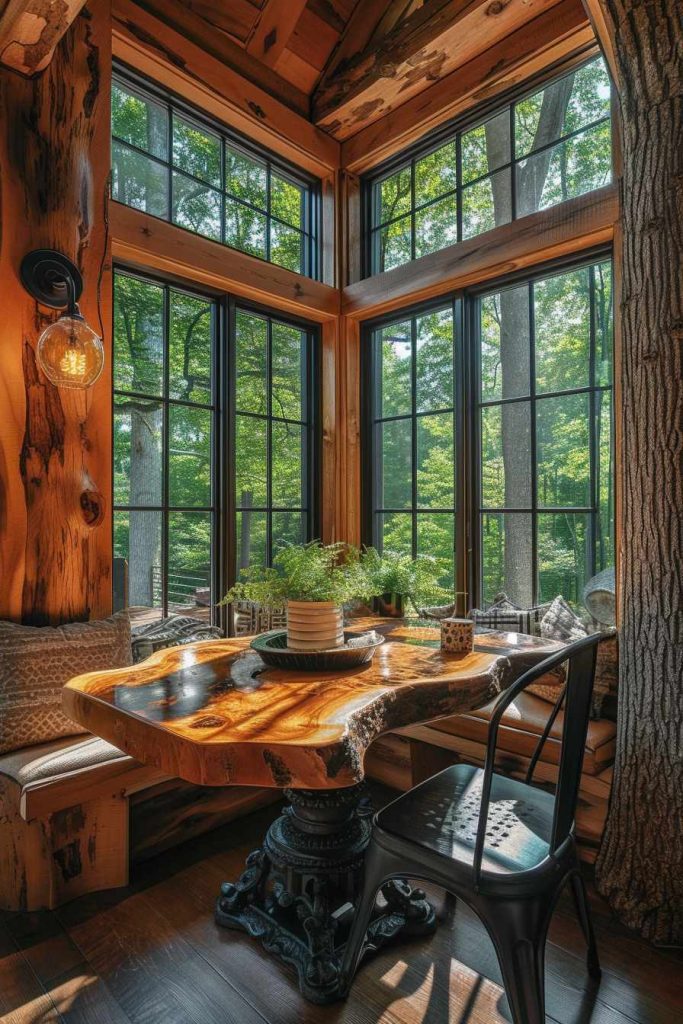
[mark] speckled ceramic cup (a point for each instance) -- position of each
(457, 635)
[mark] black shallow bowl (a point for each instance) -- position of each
(358, 649)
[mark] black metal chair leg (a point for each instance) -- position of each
(583, 913)
(518, 929)
(374, 874)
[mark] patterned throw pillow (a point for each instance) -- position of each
(561, 622)
(503, 614)
(36, 662)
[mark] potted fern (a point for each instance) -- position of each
(312, 582)
(397, 579)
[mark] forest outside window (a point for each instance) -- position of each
(548, 147)
(170, 162)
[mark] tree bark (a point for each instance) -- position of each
(640, 865)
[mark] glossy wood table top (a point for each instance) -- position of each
(197, 712)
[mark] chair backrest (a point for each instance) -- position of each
(580, 658)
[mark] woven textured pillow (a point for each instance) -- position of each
(36, 662)
(503, 614)
(561, 622)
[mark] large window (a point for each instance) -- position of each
(524, 399)
(545, 495)
(169, 161)
(411, 443)
(215, 442)
(541, 150)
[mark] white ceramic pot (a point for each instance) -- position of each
(314, 625)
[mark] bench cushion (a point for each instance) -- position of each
(523, 724)
(52, 761)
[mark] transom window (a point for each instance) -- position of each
(544, 149)
(533, 514)
(215, 444)
(169, 161)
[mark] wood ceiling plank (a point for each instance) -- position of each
(207, 31)
(313, 39)
(434, 41)
(294, 69)
(272, 31)
(30, 31)
(553, 39)
(359, 29)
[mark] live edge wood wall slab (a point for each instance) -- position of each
(55, 445)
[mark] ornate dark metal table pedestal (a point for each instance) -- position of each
(297, 892)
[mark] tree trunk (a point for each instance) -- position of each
(640, 866)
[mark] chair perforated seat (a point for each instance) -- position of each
(442, 815)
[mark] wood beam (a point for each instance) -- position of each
(356, 36)
(204, 25)
(434, 41)
(597, 13)
(551, 42)
(574, 226)
(165, 55)
(30, 31)
(147, 243)
(273, 29)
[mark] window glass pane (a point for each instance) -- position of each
(562, 107)
(506, 455)
(396, 468)
(603, 303)
(392, 196)
(138, 436)
(251, 360)
(579, 165)
(189, 459)
(196, 151)
(137, 549)
(191, 330)
(435, 461)
(138, 180)
(196, 207)
(245, 229)
(505, 344)
(393, 244)
(189, 564)
(435, 350)
(245, 177)
(288, 529)
(605, 483)
(436, 226)
(564, 564)
(562, 451)
(139, 120)
(286, 247)
(287, 465)
(252, 539)
(396, 366)
(395, 532)
(590, 98)
(562, 331)
(436, 537)
(435, 174)
(286, 200)
(250, 461)
(507, 557)
(288, 369)
(486, 147)
(486, 204)
(138, 335)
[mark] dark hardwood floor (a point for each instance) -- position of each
(151, 954)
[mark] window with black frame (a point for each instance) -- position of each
(274, 430)
(545, 148)
(164, 429)
(545, 454)
(410, 453)
(170, 161)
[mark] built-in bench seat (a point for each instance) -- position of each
(65, 818)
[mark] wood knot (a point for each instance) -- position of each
(92, 507)
(387, 70)
(497, 7)
(298, 290)
(208, 722)
(256, 110)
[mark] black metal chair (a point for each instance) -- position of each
(503, 846)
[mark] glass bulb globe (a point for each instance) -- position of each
(70, 354)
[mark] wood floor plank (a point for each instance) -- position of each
(23, 999)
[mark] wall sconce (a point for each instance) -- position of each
(69, 352)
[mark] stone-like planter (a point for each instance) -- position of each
(391, 605)
(314, 625)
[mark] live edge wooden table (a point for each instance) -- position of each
(211, 713)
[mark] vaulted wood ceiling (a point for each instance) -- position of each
(346, 64)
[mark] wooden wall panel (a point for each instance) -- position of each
(55, 446)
